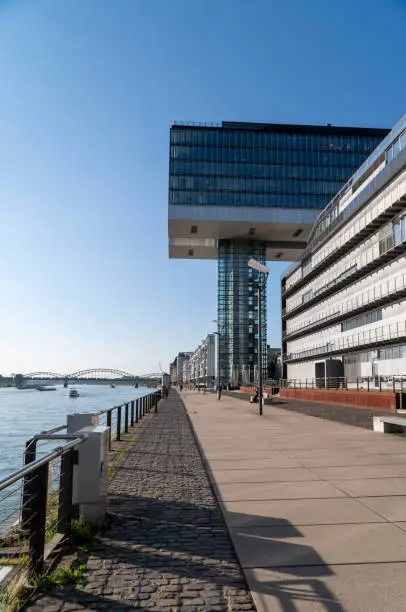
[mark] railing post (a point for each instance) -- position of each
(306, 383)
(118, 430)
(346, 383)
(37, 490)
(156, 402)
(380, 384)
(109, 426)
(357, 384)
(126, 418)
(132, 414)
(136, 409)
(393, 384)
(368, 383)
(29, 456)
(65, 510)
(143, 406)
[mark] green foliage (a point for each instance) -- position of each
(9, 600)
(81, 533)
(63, 577)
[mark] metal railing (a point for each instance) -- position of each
(331, 311)
(29, 535)
(38, 496)
(360, 383)
(370, 337)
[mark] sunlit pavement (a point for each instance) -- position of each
(316, 509)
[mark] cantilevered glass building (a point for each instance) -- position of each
(242, 190)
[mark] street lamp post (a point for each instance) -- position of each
(256, 265)
(219, 325)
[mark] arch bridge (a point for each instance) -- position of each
(93, 374)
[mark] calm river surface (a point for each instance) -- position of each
(24, 413)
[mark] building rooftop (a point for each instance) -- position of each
(328, 128)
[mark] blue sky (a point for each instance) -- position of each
(88, 92)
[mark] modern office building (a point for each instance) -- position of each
(242, 190)
(344, 302)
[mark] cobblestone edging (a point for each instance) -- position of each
(166, 547)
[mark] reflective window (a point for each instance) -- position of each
(242, 168)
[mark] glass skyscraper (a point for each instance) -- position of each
(241, 190)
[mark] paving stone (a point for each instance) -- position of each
(165, 546)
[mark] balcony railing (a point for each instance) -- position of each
(361, 383)
(388, 289)
(378, 335)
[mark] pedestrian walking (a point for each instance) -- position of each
(219, 390)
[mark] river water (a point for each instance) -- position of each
(24, 413)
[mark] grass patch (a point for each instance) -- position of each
(81, 533)
(67, 576)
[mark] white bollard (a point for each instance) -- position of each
(90, 475)
(78, 420)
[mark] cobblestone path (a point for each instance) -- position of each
(166, 547)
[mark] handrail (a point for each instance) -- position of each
(36, 473)
(34, 465)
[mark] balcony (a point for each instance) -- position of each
(386, 334)
(385, 293)
(331, 288)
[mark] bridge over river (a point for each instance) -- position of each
(96, 375)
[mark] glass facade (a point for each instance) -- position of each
(230, 166)
(257, 165)
(238, 310)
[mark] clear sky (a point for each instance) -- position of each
(89, 89)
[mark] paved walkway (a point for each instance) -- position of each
(332, 412)
(316, 509)
(166, 547)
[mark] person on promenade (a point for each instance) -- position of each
(219, 390)
(181, 388)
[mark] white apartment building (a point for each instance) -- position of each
(203, 361)
(344, 301)
(187, 370)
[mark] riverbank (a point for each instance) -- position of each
(166, 545)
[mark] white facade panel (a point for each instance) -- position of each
(364, 322)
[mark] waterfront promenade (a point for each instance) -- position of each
(316, 510)
(166, 546)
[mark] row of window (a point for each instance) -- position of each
(389, 352)
(392, 234)
(224, 198)
(223, 138)
(362, 319)
(325, 225)
(214, 183)
(273, 156)
(396, 147)
(308, 295)
(234, 169)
